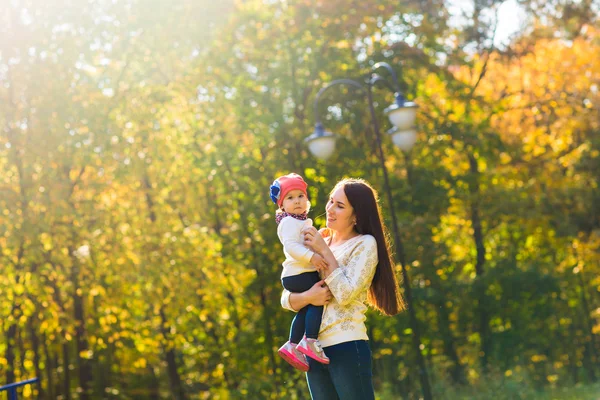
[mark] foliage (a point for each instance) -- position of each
(138, 250)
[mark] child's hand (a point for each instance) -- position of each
(313, 240)
(319, 262)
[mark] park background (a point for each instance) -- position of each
(138, 138)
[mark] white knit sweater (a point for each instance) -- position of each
(297, 255)
(344, 317)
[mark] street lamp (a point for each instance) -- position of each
(402, 115)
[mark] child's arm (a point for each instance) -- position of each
(330, 260)
(314, 240)
(289, 232)
(319, 262)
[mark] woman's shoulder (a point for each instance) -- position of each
(362, 241)
(367, 239)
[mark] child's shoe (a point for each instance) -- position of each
(312, 348)
(290, 354)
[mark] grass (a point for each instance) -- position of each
(495, 390)
(513, 392)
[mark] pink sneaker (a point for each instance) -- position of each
(312, 348)
(290, 354)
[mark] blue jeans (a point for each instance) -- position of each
(348, 375)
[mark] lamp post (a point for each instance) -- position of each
(402, 115)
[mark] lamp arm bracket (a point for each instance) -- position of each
(348, 82)
(392, 72)
(378, 78)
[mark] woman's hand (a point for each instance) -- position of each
(319, 294)
(314, 241)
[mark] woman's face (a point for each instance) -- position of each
(340, 214)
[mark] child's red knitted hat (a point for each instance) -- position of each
(282, 185)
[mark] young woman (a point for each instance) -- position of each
(359, 271)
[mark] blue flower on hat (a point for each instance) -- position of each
(275, 191)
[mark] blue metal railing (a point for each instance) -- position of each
(12, 388)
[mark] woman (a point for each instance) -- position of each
(360, 270)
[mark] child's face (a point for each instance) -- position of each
(295, 202)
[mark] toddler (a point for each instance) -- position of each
(300, 269)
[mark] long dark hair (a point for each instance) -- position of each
(384, 293)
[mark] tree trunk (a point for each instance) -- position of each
(66, 371)
(268, 333)
(35, 346)
(457, 371)
(174, 378)
(50, 366)
(154, 386)
(83, 363)
(9, 353)
(573, 369)
(589, 355)
(172, 370)
(484, 319)
(103, 369)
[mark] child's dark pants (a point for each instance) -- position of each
(307, 319)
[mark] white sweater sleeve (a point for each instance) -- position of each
(285, 300)
(289, 234)
(348, 281)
